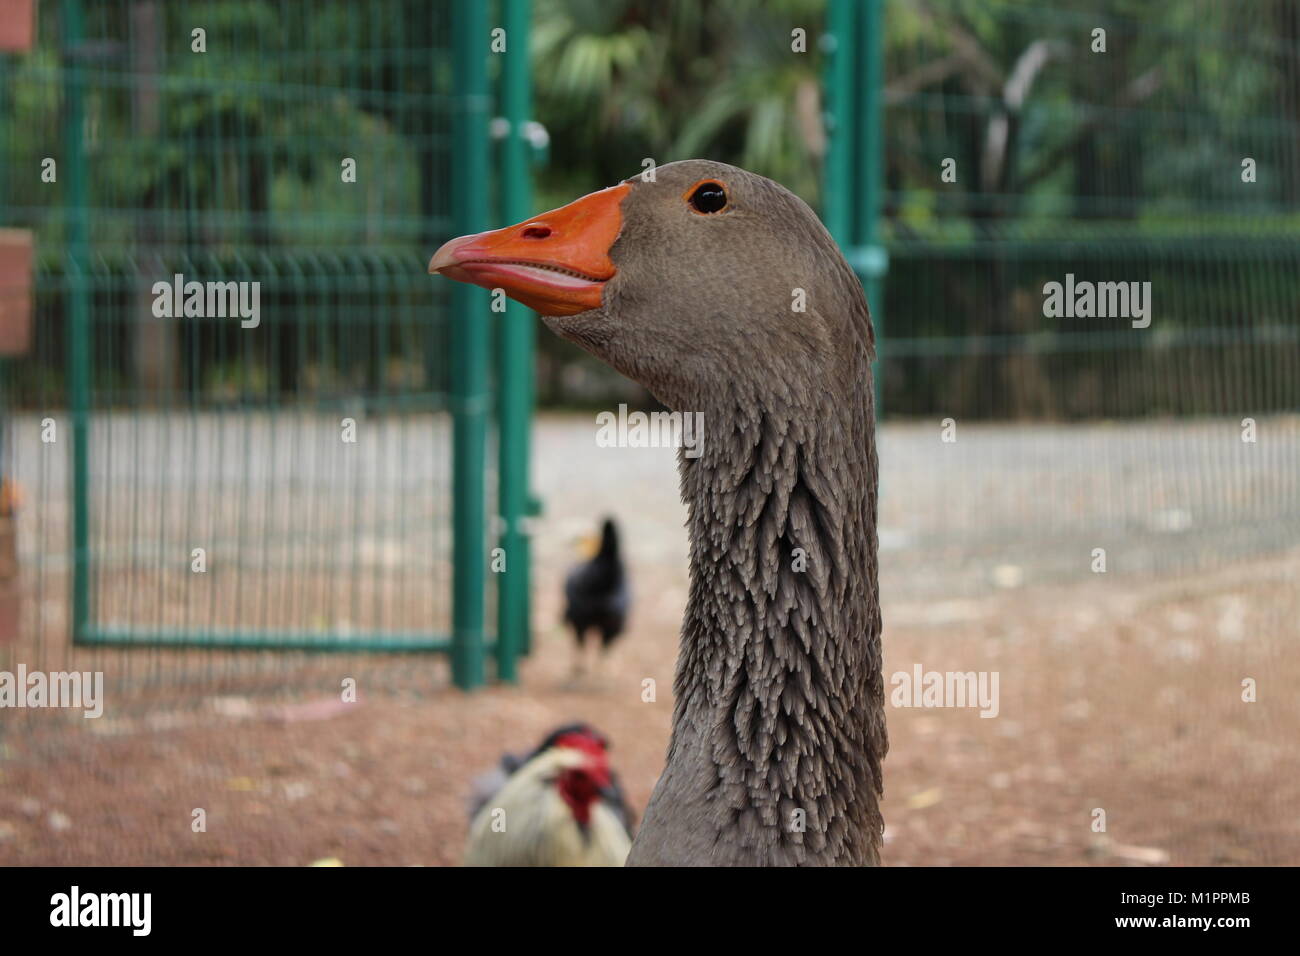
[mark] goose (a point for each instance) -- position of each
(721, 292)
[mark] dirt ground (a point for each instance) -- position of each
(1118, 692)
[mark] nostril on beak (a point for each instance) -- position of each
(537, 231)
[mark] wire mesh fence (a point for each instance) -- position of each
(233, 427)
(1090, 217)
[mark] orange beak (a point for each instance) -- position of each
(557, 263)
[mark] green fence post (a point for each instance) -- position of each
(470, 158)
(841, 113)
(76, 267)
(871, 260)
(516, 341)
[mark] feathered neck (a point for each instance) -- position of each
(778, 731)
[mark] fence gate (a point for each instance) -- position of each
(250, 420)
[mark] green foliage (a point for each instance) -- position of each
(1126, 161)
(622, 80)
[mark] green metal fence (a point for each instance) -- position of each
(1007, 144)
(979, 151)
(316, 478)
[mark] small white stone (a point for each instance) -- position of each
(1008, 576)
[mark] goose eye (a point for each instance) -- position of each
(708, 197)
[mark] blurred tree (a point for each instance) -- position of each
(619, 81)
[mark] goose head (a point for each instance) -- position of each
(688, 282)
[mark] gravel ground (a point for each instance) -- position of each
(1119, 692)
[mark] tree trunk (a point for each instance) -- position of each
(154, 342)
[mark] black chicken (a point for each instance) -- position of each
(597, 596)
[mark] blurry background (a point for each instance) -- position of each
(327, 559)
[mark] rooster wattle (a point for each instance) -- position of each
(559, 806)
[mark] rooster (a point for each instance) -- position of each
(597, 596)
(561, 805)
